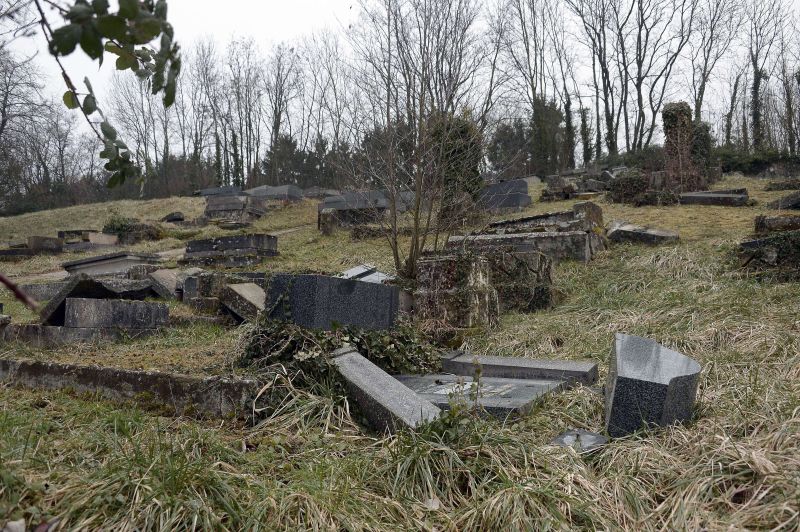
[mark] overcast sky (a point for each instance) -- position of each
(267, 21)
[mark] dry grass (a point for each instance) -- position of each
(91, 464)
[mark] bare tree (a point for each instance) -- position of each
(765, 20)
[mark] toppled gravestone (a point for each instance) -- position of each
(569, 371)
(45, 244)
(787, 184)
(724, 198)
(110, 264)
(386, 403)
(776, 224)
(497, 396)
(231, 251)
(648, 385)
(43, 291)
(557, 246)
(203, 290)
(506, 195)
(455, 292)
(237, 208)
(114, 314)
(523, 280)
(168, 283)
(779, 250)
(622, 231)
(792, 201)
(584, 216)
(367, 273)
(320, 302)
(244, 300)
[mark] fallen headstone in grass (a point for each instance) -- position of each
(570, 371)
(244, 300)
(497, 396)
(231, 251)
(725, 198)
(114, 314)
(792, 201)
(622, 231)
(778, 250)
(558, 246)
(45, 244)
(776, 224)
(386, 403)
(109, 264)
(173, 217)
(648, 385)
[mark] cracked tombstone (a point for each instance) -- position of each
(648, 385)
(244, 300)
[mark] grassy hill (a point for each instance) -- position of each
(94, 464)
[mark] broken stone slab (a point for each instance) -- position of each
(558, 246)
(320, 302)
(367, 273)
(582, 441)
(386, 403)
(497, 396)
(43, 291)
(187, 395)
(775, 250)
(211, 284)
(82, 286)
(523, 280)
(792, 201)
(622, 231)
(47, 336)
(776, 224)
(168, 283)
(231, 251)
(648, 385)
(45, 244)
(570, 371)
(16, 254)
(204, 305)
(109, 264)
(244, 300)
(102, 239)
(722, 198)
(115, 313)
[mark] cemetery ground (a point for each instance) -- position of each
(100, 465)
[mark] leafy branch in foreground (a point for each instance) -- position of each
(125, 34)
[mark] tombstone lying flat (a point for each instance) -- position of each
(114, 314)
(776, 224)
(109, 264)
(775, 250)
(558, 246)
(622, 231)
(387, 404)
(792, 201)
(244, 300)
(722, 198)
(366, 273)
(320, 301)
(45, 244)
(43, 291)
(499, 397)
(569, 371)
(648, 384)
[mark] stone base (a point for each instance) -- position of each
(46, 337)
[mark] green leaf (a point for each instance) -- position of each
(65, 39)
(129, 8)
(108, 131)
(100, 6)
(146, 29)
(89, 105)
(112, 26)
(92, 42)
(70, 100)
(124, 62)
(114, 49)
(79, 13)
(160, 10)
(116, 180)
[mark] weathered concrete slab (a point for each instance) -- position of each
(319, 302)
(775, 250)
(776, 224)
(43, 291)
(622, 231)
(367, 273)
(102, 239)
(792, 201)
(45, 244)
(192, 396)
(244, 300)
(582, 441)
(47, 336)
(570, 371)
(558, 246)
(648, 384)
(387, 404)
(499, 397)
(721, 198)
(231, 251)
(115, 313)
(109, 264)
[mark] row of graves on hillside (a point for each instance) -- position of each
(458, 291)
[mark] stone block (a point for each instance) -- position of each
(319, 302)
(387, 404)
(47, 336)
(776, 250)
(110, 264)
(102, 239)
(205, 305)
(621, 231)
(120, 314)
(43, 291)
(776, 224)
(505, 195)
(715, 198)
(455, 291)
(497, 396)
(522, 280)
(558, 246)
(570, 371)
(165, 283)
(45, 244)
(244, 300)
(198, 283)
(792, 201)
(77, 286)
(231, 251)
(648, 385)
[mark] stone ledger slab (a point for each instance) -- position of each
(320, 301)
(386, 403)
(715, 198)
(621, 231)
(558, 246)
(499, 397)
(244, 300)
(459, 363)
(648, 385)
(109, 264)
(111, 313)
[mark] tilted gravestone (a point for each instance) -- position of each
(792, 201)
(110, 313)
(648, 385)
(110, 264)
(320, 301)
(386, 403)
(244, 300)
(621, 231)
(723, 198)
(231, 251)
(570, 371)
